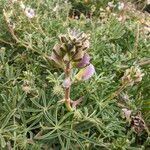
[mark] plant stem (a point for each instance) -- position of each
(117, 92)
(67, 90)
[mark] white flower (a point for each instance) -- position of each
(120, 5)
(30, 13)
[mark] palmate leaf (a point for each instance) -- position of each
(7, 119)
(31, 109)
(21, 100)
(10, 128)
(36, 104)
(64, 118)
(61, 139)
(6, 102)
(49, 118)
(98, 122)
(92, 141)
(35, 118)
(2, 141)
(116, 29)
(146, 105)
(50, 135)
(70, 139)
(9, 72)
(74, 136)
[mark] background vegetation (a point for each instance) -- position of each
(31, 114)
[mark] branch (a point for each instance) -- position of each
(14, 36)
(67, 90)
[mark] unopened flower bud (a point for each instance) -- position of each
(29, 12)
(66, 83)
(56, 59)
(63, 38)
(132, 75)
(86, 45)
(127, 113)
(57, 50)
(71, 48)
(84, 62)
(79, 55)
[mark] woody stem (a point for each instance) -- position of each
(67, 90)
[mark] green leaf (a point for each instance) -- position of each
(3, 143)
(6, 121)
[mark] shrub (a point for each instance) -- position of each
(114, 113)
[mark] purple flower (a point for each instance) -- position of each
(30, 13)
(84, 61)
(86, 73)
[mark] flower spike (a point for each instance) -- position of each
(69, 53)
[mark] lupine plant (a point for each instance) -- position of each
(72, 52)
(39, 73)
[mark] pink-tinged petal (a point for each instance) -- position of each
(127, 113)
(89, 72)
(66, 83)
(30, 13)
(86, 73)
(84, 62)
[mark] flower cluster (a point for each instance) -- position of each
(71, 52)
(138, 124)
(29, 12)
(111, 5)
(132, 75)
(135, 120)
(72, 49)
